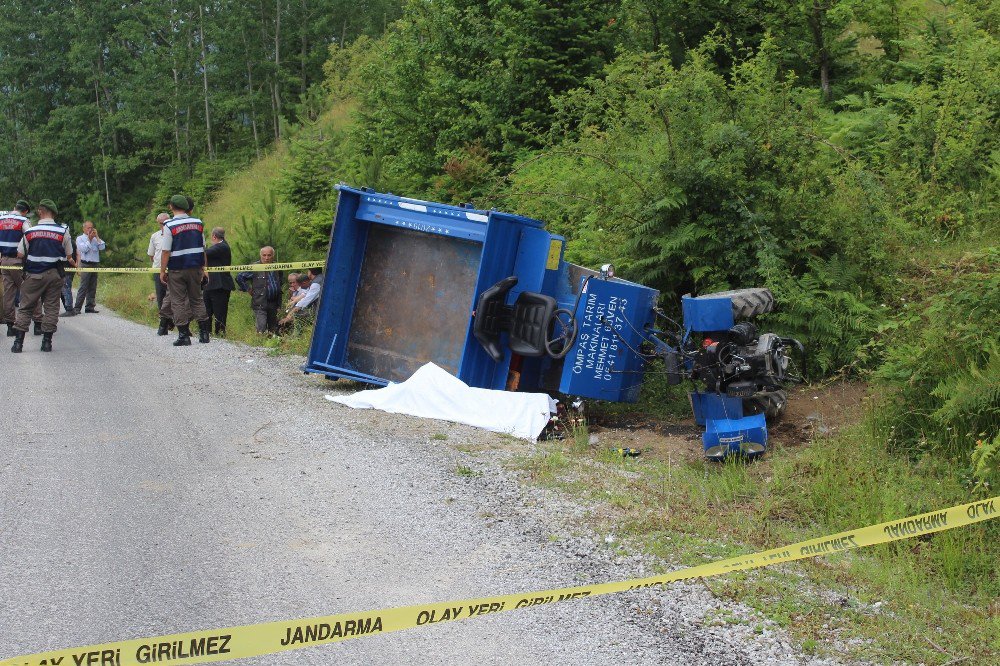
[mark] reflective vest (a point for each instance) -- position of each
(11, 232)
(45, 246)
(187, 244)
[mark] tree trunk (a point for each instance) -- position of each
(654, 24)
(204, 79)
(276, 88)
(817, 20)
(100, 135)
(189, 154)
(305, 47)
(177, 114)
(270, 77)
(177, 84)
(250, 94)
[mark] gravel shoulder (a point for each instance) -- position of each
(266, 502)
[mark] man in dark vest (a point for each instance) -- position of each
(220, 285)
(12, 228)
(44, 247)
(182, 268)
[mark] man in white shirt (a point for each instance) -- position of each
(155, 252)
(311, 283)
(89, 247)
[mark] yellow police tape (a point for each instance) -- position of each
(288, 265)
(198, 647)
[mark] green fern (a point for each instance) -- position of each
(972, 397)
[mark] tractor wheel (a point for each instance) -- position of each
(771, 404)
(747, 302)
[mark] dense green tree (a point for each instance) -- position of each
(465, 82)
(103, 97)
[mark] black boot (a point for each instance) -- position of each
(18, 342)
(10, 330)
(203, 329)
(183, 336)
(46, 342)
(38, 328)
(164, 326)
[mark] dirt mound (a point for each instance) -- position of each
(813, 411)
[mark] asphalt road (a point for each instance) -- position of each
(147, 490)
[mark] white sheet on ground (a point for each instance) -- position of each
(432, 393)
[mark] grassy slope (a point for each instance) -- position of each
(243, 190)
(129, 295)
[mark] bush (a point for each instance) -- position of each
(943, 364)
(657, 168)
(199, 182)
(308, 177)
(269, 224)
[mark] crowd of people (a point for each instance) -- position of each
(33, 261)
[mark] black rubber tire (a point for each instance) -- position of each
(771, 404)
(747, 302)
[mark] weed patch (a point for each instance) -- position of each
(129, 296)
(877, 604)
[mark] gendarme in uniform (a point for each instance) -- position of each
(44, 247)
(12, 228)
(182, 269)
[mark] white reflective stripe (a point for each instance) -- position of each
(419, 201)
(47, 260)
(477, 217)
(181, 253)
(417, 207)
(174, 221)
(5, 244)
(58, 228)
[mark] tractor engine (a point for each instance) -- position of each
(742, 362)
(727, 356)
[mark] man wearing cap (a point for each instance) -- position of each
(182, 268)
(44, 247)
(89, 247)
(12, 228)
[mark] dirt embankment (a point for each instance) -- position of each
(812, 411)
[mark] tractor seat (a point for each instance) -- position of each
(492, 316)
(527, 321)
(530, 323)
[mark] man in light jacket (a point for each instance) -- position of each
(89, 247)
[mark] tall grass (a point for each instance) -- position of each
(945, 585)
(129, 296)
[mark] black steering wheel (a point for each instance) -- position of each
(561, 333)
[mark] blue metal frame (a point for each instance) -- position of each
(707, 314)
(727, 430)
(511, 245)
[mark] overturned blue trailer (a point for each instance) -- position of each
(489, 297)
